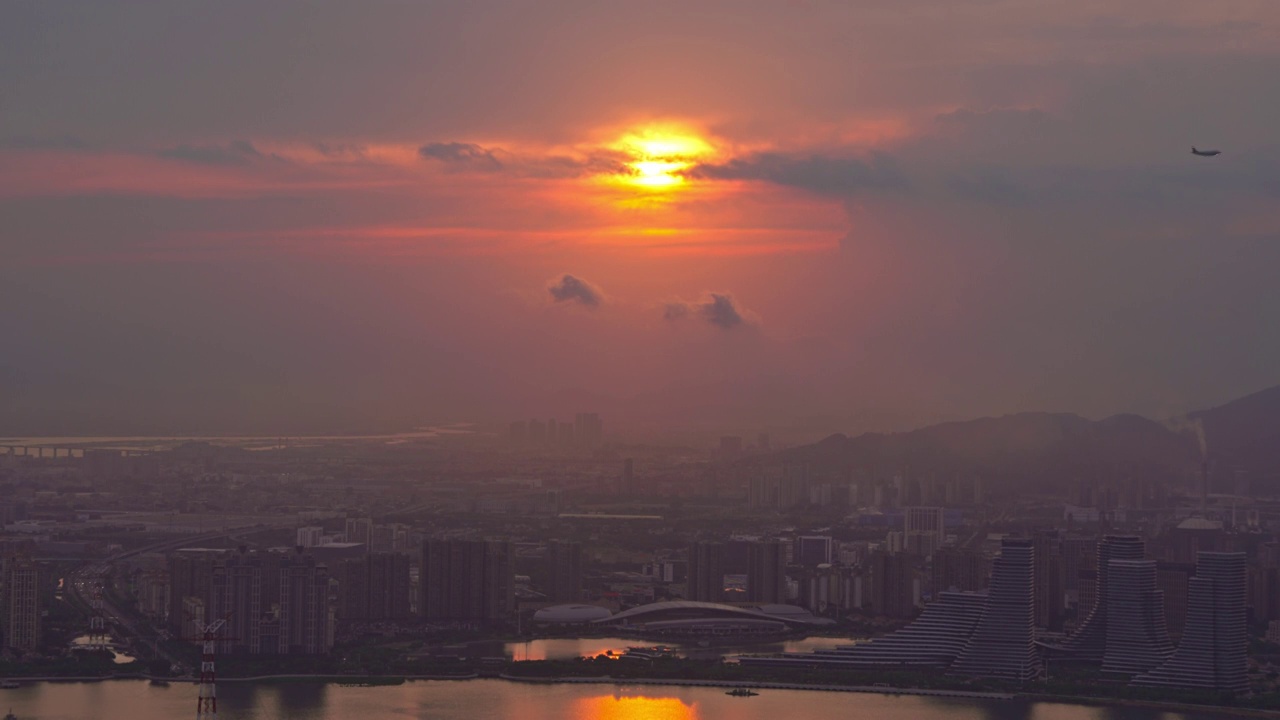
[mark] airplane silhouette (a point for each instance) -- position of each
(1205, 153)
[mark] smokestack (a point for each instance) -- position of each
(1204, 486)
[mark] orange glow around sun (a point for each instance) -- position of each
(658, 157)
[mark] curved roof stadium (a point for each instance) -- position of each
(692, 609)
(571, 614)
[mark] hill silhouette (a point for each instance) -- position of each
(1244, 434)
(1052, 451)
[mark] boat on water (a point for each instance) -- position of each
(10, 716)
(742, 692)
(9, 684)
(159, 682)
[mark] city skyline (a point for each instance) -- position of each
(564, 359)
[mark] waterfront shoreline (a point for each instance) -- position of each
(398, 680)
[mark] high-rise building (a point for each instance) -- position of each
(767, 573)
(1213, 654)
(360, 530)
(1173, 580)
(309, 536)
(813, 550)
(588, 429)
(537, 432)
(306, 615)
(467, 580)
(1090, 639)
(564, 571)
(374, 587)
(924, 520)
(629, 476)
(730, 445)
(190, 576)
(1137, 639)
(892, 584)
(706, 571)
(959, 569)
(1050, 581)
(1003, 643)
(242, 590)
(931, 641)
(22, 626)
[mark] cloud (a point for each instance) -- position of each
(462, 156)
(719, 309)
(568, 288)
(525, 163)
(817, 173)
(237, 152)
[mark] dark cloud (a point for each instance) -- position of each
(476, 158)
(568, 288)
(462, 155)
(237, 152)
(719, 309)
(822, 174)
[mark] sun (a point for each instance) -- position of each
(657, 158)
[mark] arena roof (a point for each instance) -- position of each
(572, 614)
(793, 615)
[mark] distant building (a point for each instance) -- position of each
(360, 530)
(1213, 654)
(309, 536)
(537, 432)
(1050, 581)
(629, 476)
(959, 569)
(1003, 642)
(1173, 579)
(467, 580)
(564, 571)
(23, 612)
(924, 520)
(190, 576)
(730, 445)
(892, 588)
(930, 642)
(374, 587)
(588, 429)
(1137, 639)
(813, 550)
(767, 573)
(706, 572)
(1090, 639)
(306, 616)
(274, 603)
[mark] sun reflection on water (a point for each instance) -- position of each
(632, 708)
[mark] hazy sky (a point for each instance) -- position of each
(291, 216)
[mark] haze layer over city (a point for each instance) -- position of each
(680, 360)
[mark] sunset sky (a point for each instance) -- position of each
(801, 216)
